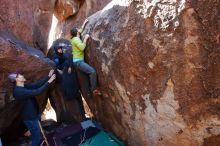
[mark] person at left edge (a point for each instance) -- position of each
(25, 95)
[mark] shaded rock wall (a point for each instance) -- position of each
(157, 64)
(17, 56)
(24, 27)
(28, 20)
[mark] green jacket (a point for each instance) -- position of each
(78, 48)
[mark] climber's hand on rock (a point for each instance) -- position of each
(69, 70)
(51, 73)
(60, 71)
(84, 23)
(52, 78)
(27, 133)
(86, 38)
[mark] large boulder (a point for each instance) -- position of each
(81, 9)
(16, 56)
(28, 20)
(158, 69)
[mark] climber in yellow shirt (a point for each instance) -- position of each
(78, 47)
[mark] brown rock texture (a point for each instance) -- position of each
(29, 20)
(66, 8)
(158, 68)
(16, 56)
(81, 9)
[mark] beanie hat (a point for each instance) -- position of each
(12, 77)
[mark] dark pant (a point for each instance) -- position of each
(84, 67)
(34, 128)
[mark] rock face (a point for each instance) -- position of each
(16, 56)
(28, 20)
(158, 68)
(158, 64)
(66, 8)
(75, 13)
